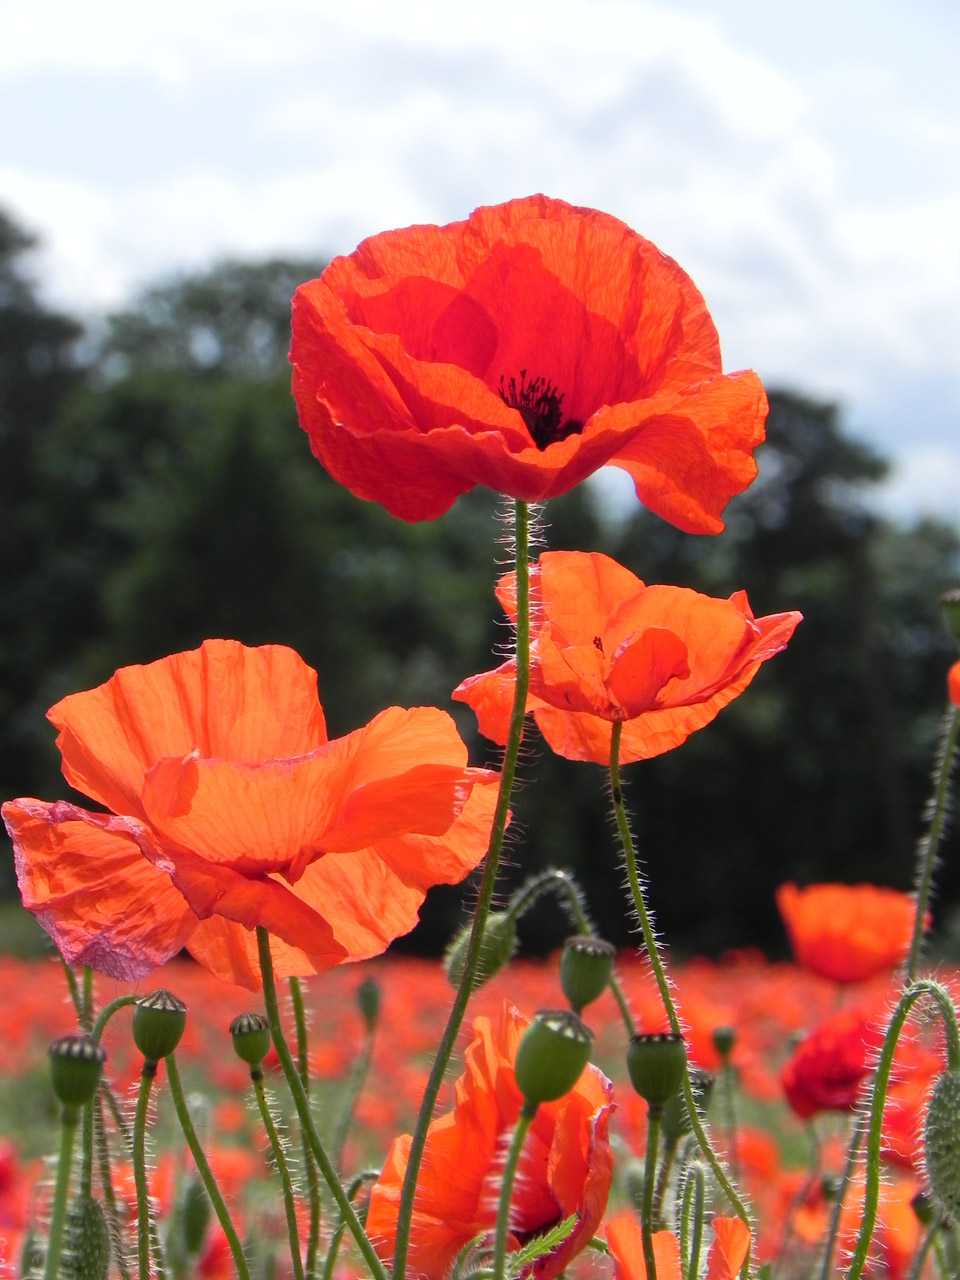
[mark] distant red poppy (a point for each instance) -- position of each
(727, 1253)
(521, 350)
(232, 810)
(607, 648)
(565, 1167)
(847, 932)
(953, 684)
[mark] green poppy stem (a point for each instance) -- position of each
(659, 972)
(276, 1146)
(930, 840)
(140, 1169)
(502, 1230)
(309, 1164)
(484, 898)
(654, 1116)
(69, 1118)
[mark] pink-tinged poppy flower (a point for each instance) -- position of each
(606, 648)
(565, 1166)
(231, 809)
(521, 350)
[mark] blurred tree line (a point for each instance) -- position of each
(159, 491)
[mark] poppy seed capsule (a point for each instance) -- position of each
(724, 1038)
(368, 1001)
(76, 1065)
(551, 1055)
(158, 1023)
(251, 1037)
(586, 966)
(656, 1064)
(496, 949)
(941, 1141)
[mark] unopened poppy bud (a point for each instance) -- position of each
(158, 1023)
(551, 1056)
(251, 1037)
(368, 1001)
(86, 1244)
(941, 1141)
(950, 603)
(656, 1064)
(195, 1207)
(76, 1065)
(676, 1117)
(585, 969)
(724, 1038)
(496, 949)
(924, 1210)
(830, 1186)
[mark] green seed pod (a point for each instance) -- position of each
(251, 1037)
(923, 1208)
(368, 1001)
(724, 1038)
(86, 1246)
(586, 966)
(950, 603)
(158, 1023)
(941, 1140)
(656, 1064)
(676, 1117)
(496, 949)
(551, 1056)
(195, 1209)
(76, 1065)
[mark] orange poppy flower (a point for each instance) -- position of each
(847, 932)
(953, 684)
(727, 1253)
(232, 810)
(565, 1166)
(606, 648)
(521, 350)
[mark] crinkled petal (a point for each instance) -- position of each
(729, 1249)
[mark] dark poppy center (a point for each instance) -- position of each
(540, 405)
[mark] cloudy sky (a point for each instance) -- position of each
(802, 162)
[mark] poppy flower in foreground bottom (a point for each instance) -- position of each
(522, 350)
(953, 684)
(606, 648)
(847, 932)
(230, 809)
(565, 1166)
(727, 1253)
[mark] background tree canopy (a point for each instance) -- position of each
(162, 492)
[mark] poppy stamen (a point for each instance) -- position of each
(540, 405)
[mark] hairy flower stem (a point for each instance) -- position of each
(333, 1251)
(878, 1100)
(930, 841)
(654, 1117)
(309, 1164)
(691, 1221)
(276, 1146)
(484, 899)
(302, 1103)
(565, 886)
(659, 973)
(69, 1118)
(524, 1120)
(140, 1169)
(203, 1168)
(916, 1270)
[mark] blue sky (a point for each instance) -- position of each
(801, 162)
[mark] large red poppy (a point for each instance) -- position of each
(565, 1166)
(521, 350)
(606, 648)
(230, 809)
(847, 932)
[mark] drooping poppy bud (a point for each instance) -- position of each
(586, 966)
(676, 1115)
(941, 1141)
(76, 1065)
(496, 949)
(158, 1023)
(251, 1038)
(656, 1064)
(551, 1056)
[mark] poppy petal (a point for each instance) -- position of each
(626, 1245)
(729, 1249)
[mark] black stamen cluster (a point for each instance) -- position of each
(540, 405)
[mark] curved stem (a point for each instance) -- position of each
(663, 1179)
(659, 973)
(484, 899)
(916, 1269)
(313, 1186)
(107, 1012)
(654, 1116)
(929, 843)
(203, 1168)
(140, 1169)
(280, 1160)
(506, 1191)
(302, 1103)
(69, 1118)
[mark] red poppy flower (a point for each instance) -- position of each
(727, 1253)
(565, 1166)
(606, 648)
(521, 350)
(953, 684)
(847, 932)
(232, 810)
